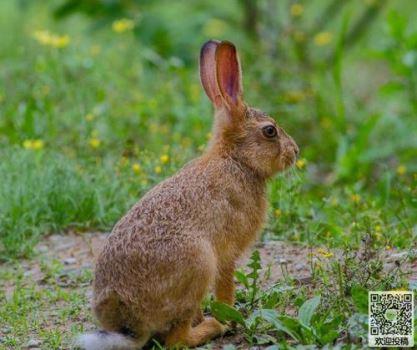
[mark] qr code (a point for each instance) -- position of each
(391, 316)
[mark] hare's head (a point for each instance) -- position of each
(244, 133)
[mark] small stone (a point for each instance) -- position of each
(5, 330)
(64, 246)
(70, 261)
(89, 294)
(28, 273)
(299, 267)
(397, 256)
(283, 261)
(42, 248)
(33, 343)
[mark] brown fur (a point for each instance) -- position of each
(185, 235)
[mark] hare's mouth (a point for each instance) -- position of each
(288, 160)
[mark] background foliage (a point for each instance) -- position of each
(102, 100)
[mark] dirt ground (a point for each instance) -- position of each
(279, 260)
(80, 251)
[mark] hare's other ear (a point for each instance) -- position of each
(229, 75)
(208, 71)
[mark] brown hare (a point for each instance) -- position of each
(186, 234)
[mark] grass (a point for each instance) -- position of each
(26, 309)
(37, 199)
(90, 124)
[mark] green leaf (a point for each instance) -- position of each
(263, 339)
(329, 330)
(307, 310)
(224, 312)
(242, 278)
(360, 298)
(292, 327)
(286, 324)
(229, 347)
(272, 347)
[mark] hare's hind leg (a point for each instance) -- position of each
(107, 308)
(198, 317)
(186, 335)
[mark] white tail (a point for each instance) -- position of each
(103, 340)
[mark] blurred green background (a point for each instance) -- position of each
(100, 100)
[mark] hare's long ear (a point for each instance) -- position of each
(229, 75)
(208, 72)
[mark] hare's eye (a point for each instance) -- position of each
(269, 131)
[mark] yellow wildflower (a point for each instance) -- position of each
(94, 142)
(301, 163)
(42, 36)
(48, 39)
(355, 198)
(323, 38)
(164, 158)
(214, 27)
(296, 9)
(158, 169)
(33, 144)
(38, 144)
(278, 212)
(209, 135)
(296, 236)
(60, 41)
(401, 170)
(378, 235)
(136, 168)
(123, 25)
(378, 228)
(90, 117)
(323, 252)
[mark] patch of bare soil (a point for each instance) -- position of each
(279, 259)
